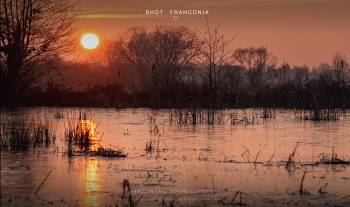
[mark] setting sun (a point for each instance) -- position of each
(89, 41)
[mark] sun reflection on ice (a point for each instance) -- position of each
(91, 182)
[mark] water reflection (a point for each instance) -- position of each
(91, 183)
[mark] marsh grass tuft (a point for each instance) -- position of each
(197, 116)
(109, 152)
(83, 137)
(23, 134)
(317, 114)
(153, 145)
(291, 162)
(244, 118)
(332, 159)
(82, 133)
(268, 113)
(150, 146)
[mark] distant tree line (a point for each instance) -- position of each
(159, 67)
(178, 68)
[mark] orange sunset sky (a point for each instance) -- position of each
(301, 31)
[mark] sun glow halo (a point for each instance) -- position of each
(89, 41)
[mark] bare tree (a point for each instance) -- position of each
(254, 61)
(33, 32)
(173, 49)
(339, 65)
(216, 50)
(158, 54)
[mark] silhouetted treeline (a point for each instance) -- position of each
(284, 86)
(175, 67)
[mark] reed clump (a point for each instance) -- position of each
(318, 114)
(196, 116)
(268, 113)
(332, 159)
(83, 137)
(109, 152)
(154, 145)
(292, 162)
(150, 146)
(23, 134)
(243, 118)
